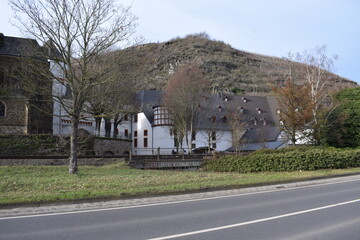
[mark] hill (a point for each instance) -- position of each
(227, 68)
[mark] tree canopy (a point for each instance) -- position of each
(344, 130)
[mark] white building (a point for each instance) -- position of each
(151, 128)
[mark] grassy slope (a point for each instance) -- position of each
(27, 184)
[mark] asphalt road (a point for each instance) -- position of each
(326, 211)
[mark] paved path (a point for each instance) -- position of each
(97, 206)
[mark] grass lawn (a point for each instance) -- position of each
(25, 184)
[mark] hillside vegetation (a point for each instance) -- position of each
(228, 69)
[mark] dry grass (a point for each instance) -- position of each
(25, 184)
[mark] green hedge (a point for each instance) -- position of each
(287, 160)
(37, 144)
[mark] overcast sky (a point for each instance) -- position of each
(269, 27)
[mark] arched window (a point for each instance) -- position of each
(2, 109)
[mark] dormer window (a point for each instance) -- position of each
(265, 122)
(241, 109)
(259, 110)
(244, 99)
(255, 121)
(213, 119)
(278, 111)
(224, 118)
(226, 99)
(219, 108)
(281, 122)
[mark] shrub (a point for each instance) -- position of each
(291, 159)
(37, 144)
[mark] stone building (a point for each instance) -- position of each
(25, 96)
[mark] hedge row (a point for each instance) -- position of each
(287, 160)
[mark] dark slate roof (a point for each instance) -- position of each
(149, 99)
(257, 146)
(216, 113)
(25, 47)
(21, 47)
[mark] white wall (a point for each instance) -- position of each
(141, 125)
(163, 139)
(223, 139)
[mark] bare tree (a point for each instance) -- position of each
(315, 70)
(81, 31)
(238, 129)
(295, 108)
(211, 133)
(183, 94)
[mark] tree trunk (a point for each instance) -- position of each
(73, 161)
(107, 127)
(116, 131)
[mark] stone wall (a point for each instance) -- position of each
(15, 120)
(108, 146)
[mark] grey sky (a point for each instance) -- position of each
(269, 27)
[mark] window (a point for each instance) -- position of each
(161, 116)
(145, 133)
(193, 135)
(255, 121)
(2, 109)
(126, 117)
(145, 142)
(135, 134)
(213, 135)
(126, 133)
(264, 122)
(193, 145)
(214, 145)
(135, 118)
(135, 142)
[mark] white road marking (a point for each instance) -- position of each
(178, 201)
(254, 221)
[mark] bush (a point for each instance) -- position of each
(37, 144)
(287, 160)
